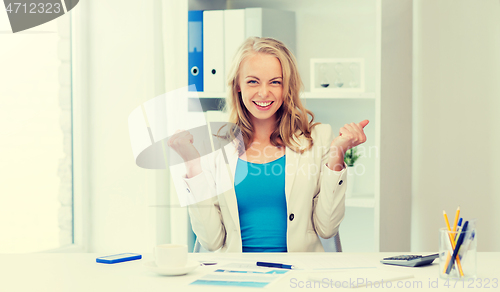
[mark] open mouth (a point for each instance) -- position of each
(263, 107)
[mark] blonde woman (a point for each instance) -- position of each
(287, 175)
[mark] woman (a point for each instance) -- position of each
(287, 173)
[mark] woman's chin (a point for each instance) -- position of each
(263, 116)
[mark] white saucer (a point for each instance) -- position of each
(190, 265)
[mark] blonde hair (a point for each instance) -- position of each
(291, 116)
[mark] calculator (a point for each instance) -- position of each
(410, 260)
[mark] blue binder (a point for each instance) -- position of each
(195, 47)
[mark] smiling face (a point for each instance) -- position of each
(261, 86)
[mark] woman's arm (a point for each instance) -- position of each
(329, 202)
(206, 218)
(336, 160)
(199, 190)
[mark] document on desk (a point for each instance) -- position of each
(339, 262)
(353, 278)
(241, 275)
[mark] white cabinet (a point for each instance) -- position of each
(378, 215)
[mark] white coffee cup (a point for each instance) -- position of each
(170, 255)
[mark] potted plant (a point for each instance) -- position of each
(350, 158)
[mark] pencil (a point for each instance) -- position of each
(452, 245)
(448, 258)
(457, 215)
(457, 235)
(457, 247)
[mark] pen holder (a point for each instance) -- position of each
(465, 266)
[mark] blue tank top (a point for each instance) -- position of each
(260, 193)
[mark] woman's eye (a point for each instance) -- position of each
(252, 82)
(276, 82)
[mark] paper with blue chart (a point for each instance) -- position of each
(241, 275)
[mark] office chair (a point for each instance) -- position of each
(198, 248)
(330, 245)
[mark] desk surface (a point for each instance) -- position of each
(79, 272)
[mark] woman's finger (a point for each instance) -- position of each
(363, 123)
(351, 129)
(360, 133)
(357, 128)
(180, 133)
(343, 131)
(358, 136)
(346, 133)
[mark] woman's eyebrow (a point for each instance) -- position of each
(279, 77)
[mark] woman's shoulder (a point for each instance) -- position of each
(321, 134)
(321, 130)
(323, 127)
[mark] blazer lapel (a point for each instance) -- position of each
(291, 167)
(230, 195)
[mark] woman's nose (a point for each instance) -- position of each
(263, 91)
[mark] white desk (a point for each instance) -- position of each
(79, 272)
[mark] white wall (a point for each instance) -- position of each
(121, 77)
(456, 118)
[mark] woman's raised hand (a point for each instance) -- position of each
(350, 135)
(182, 143)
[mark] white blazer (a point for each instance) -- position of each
(315, 197)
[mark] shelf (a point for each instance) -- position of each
(306, 95)
(366, 201)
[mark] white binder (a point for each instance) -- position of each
(234, 34)
(213, 51)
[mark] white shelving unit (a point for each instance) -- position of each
(378, 215)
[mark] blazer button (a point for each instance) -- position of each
(291, 217)
(188, 190)
(340, 182)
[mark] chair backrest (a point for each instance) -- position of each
(198, 248)
(330, 245)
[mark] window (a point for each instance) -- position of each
(36, 174)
